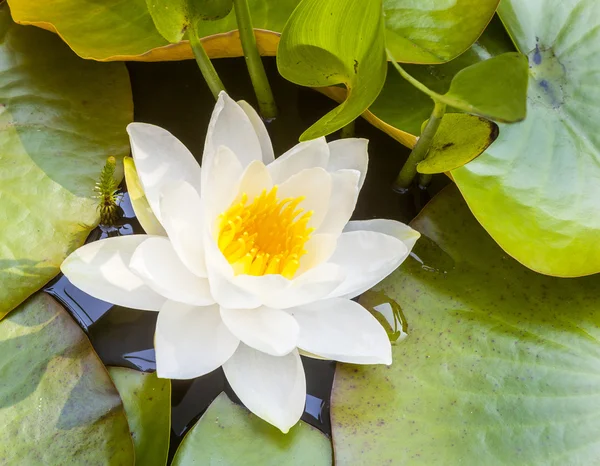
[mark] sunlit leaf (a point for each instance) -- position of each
(434, 31)
(536, 189)
(147, 401)
(229, 435)
(61, 117)
(317, 50)
(501, 365)
(58, 405)
(459, 139)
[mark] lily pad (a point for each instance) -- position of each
(229, 435)
(147, 401)
(60, 118)
(317, 50)
(58, 405)
(434, 32)
(501, 365)
(123, 29)
(459, 139)
(536, 189)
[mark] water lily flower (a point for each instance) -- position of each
(250, 260)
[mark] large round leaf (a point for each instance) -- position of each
(537, 187)
(61, 117)
(147, 401)
(501, 365)
(229, 435)
(123, 29)
(58, 405)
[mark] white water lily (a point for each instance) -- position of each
(251, 260)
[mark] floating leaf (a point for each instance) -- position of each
(229, 435)
(501, 365)
(434, 32)
(123, 29)
(61, 117)
(459, 139)
(316, 50)
(147, 401)
(536, 189)
(58, 405)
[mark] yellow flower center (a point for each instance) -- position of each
(266, 236)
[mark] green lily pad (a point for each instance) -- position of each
(434, 32)
(329, 42)
(58, 405)
(501, 365)
(123, 29)
(536, 189)
(229, 435)
(61, 117)
(147, 401)
(459, 139)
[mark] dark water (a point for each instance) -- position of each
(174, 96)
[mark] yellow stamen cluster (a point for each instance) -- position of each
(265, 236)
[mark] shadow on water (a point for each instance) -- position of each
(172, 95)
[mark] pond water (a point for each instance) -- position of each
(173, 95)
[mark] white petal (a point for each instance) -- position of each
(271, 331)
(367, 257)
(319, 249)
(141, 207)
(184, 223)
(191, 341)
(315, 185)
(157, 263)
(255, 180)
(272, 387)
(349, 153)
(101, 269)
(221, 186)
(161, 158)
(389, 227)
(308, 154)
(344, 194)
(230, 126)
(342, 330)
(261, 131)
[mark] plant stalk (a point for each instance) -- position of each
(206, 67)
(419, 152)
(256, 69)
(348, 130)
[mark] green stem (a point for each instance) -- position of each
(206, 67)
(424, 180)
(256, 69)
(348, 130)
(419, 152)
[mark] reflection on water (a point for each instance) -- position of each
(388, 312)
(431, 257)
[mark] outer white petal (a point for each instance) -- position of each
(315, 185)
(161, 158)
(308, 154)
(271, 331)
(230, 126)
(390, 227)
(349, 153)
(191, 341)
(183, 220)
(221, 186)
(157, 263)
(272, 387)
(261, 131)
(101, 269)
(344, 194)
(367, 257)
(342, 330)
(255, 180)
(319, 249)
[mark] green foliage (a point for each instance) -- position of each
(58, 405)
(147, 401)
(460, 138)
(61, 117)
(229, 435)
(317, 50)
(500, 365)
